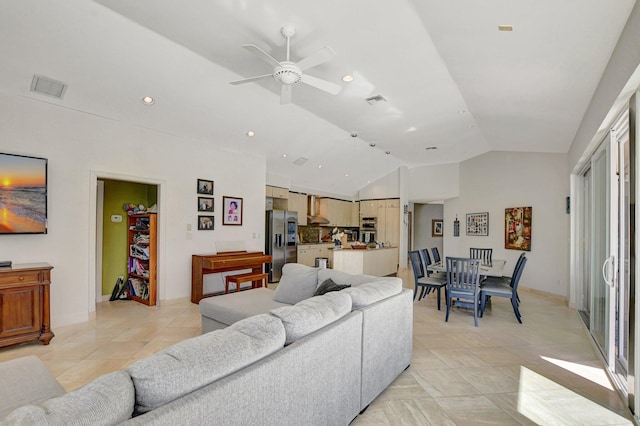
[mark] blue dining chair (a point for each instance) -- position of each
(501, 289)
(484, 254)
(463, 284)
(424, 284)
(436, 254)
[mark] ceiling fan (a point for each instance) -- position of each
(289, 73)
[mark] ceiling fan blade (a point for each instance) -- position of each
(250, 79)
(323, 55)
(261, 54)
(324, 85)
(285, 94)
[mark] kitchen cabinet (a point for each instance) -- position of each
(389, 221)
(298, 203)
(277, 192)
(338, 212)
(307, 253)
(355, 214)
(368, 208)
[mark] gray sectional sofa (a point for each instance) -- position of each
(318, 361)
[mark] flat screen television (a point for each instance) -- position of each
(23, 194)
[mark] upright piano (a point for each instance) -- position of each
(202, 264)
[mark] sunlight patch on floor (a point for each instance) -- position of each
(596, 375)
(560, 406)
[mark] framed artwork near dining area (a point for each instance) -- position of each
(478, 224)
(436, 227)
(517, 228)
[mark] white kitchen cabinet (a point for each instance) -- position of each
(355, 214)
(307, 253)
(277, 192)
(368, 208)
(338, 212)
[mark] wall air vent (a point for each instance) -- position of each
(300, 161)
(47, 86)
(375, 99)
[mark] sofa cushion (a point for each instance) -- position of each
(233, 307)
(366, 294)
(312, 314)
(343, 278)
(196, 362)
(107, 400)
(329, 286)
(298, 282)
(26, 380)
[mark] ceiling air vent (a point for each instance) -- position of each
(300, 161)
(48, 87)
(375, 99)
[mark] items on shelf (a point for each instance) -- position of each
(141, 269)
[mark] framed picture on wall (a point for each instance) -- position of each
(517, 228)
(205, 204)
(205, 223)
(205, 187)
(478, 224)
(231, 211)
(436, 227)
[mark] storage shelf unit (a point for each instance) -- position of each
(141, 268)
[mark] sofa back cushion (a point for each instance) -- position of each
(298, 282)
(26, 380)
(107, 400)
(366, 294)
(196, 362)
(312, 314)
(344, 278)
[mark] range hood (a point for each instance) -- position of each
(312, 218)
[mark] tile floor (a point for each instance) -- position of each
(544, 371)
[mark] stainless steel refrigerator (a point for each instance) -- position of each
(281, 241)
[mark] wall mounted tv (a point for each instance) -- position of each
(23, 194)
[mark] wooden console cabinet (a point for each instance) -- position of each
(24, 304)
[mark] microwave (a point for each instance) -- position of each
(368, 223)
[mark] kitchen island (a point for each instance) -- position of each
(376, 262)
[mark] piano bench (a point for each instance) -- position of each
(256, 277)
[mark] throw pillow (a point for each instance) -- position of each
(328, 286)
(298, 282)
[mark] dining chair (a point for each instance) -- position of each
(436, 254)
(424, 283)
(463, 284)
(506, 280)
(499, 289)
(426, 259)
(484, 254)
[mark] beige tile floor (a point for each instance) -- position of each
(544, 371)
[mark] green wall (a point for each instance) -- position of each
(114, 235)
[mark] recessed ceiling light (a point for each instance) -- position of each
(346, 175)
(431, 147)
(284, 155)
(387, 152)
(505, 27)
(347, 78)
(251, 133)
(319, 166)
(372, 144)
(148, 100)
(470, 126)
(461, 111)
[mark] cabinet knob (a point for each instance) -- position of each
(21, 278)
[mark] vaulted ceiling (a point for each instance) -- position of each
(450, 79)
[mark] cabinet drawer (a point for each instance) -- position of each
(20, 277)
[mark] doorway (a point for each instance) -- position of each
(109, 259)
(607, 227)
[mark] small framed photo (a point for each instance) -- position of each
(436, 227)
(231, 211)
(205, 204)
(205, 223)
(205, 187)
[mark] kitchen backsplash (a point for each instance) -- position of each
(316, 234)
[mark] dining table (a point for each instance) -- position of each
(495, 268)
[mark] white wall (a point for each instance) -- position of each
(79, 146)
(495, 181)
(387, 186)
(423, 214)
(434, 183)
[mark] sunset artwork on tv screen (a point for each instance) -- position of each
(23, 194)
